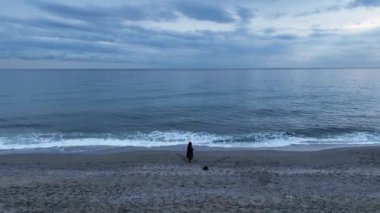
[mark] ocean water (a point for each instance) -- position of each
(218, 108)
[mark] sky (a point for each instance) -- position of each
(189, 33)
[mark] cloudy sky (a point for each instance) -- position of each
(189, 33)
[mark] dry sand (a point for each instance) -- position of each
(336, 180)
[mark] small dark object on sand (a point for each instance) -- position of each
(190, 153)
(205, 168)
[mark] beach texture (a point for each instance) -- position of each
(336, 180)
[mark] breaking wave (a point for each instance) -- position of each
(170, 138)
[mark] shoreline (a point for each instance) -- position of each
(177, 155)
(115, 149)
(339, 180)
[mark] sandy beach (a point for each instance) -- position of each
(335, 180)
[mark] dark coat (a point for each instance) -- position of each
(190, 151)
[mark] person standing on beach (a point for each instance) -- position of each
(190, 153)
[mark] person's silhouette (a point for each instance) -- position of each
(190, 150)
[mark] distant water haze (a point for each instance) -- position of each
(221, 108)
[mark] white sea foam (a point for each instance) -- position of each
(157, 138)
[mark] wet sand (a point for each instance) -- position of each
(335, 180)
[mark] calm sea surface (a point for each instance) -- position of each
(227, 108)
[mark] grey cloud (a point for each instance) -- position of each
(163, 10)
(269, 30)
(367, 3)
(70, 11)
(97, 14)
(245, 14)
(47, 39)
(100, 36)
(286, 37)
(328, 9)
(202, 11)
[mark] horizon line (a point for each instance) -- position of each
(197, 68)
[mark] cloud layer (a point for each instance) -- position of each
(170, 33)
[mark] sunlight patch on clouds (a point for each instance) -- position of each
(182, 24)
(365, 25)
(341, 21)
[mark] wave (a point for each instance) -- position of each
(170, 138)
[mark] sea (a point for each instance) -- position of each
(232, 108)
